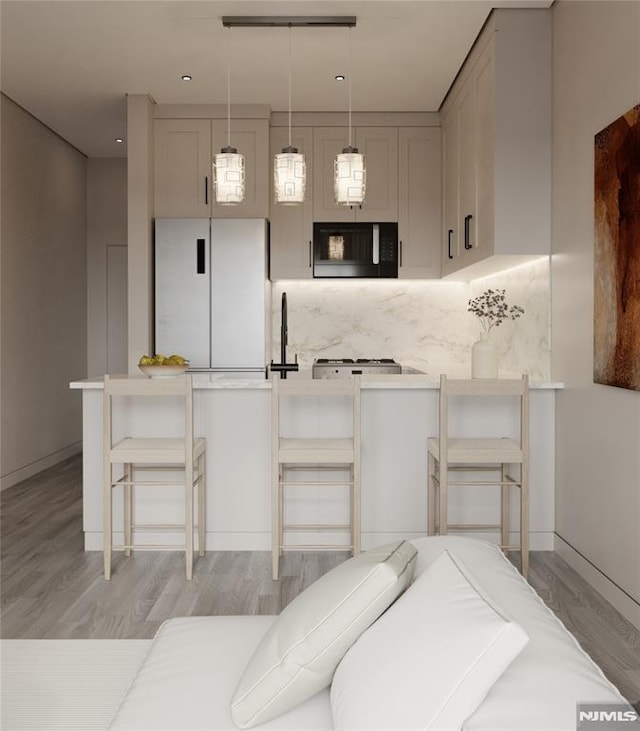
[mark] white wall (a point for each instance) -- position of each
(107, 265)
(596, 79)
(44, 295)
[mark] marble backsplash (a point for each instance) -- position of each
(422, 324)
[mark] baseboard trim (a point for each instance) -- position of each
(23, 473)
(625, 604)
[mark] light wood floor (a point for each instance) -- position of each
(51, 588)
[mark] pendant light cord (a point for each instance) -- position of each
(290, 56)
(349, 86)
(228, 102)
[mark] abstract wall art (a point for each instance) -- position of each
(617, 253)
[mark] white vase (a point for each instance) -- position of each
(484, 358)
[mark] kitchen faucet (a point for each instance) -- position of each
(283, 367)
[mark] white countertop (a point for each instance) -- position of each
(204, 381)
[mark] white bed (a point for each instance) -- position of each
(188, 679)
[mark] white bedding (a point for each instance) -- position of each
(188, 677)
(65, 685)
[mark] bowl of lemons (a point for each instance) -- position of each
(162, 366)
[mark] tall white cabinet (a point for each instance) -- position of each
(496, 142)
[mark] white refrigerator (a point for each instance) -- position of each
(212, 293)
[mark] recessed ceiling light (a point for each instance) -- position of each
(339, 77)
(119, 140)
(186, 77)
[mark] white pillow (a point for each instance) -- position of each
(429, 661)
(300, 651)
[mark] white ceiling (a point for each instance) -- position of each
(71, 62)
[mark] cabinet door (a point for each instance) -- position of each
(379, 145)
(467, 166)
(292, 225)
(419, 202)
(182, 168)
(327, 143)
(484, 80)
(450, 188)
(251, 138)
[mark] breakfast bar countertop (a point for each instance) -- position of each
(401, 381)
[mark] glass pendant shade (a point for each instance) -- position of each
(350, 177)
(228, 175)
(289, 176)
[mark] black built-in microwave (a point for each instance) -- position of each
(355, 250)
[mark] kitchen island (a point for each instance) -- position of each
(399, 413)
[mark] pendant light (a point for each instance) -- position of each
(289, 167)
(349, 171)
(228, 164)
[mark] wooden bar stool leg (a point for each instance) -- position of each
(275, 522)
(352, 505)
(107, 522)
(442, 489)
(524, 525)
(431, 494)
(281, 512)
(202, 504)
(188, 527)
(505, 506)
(128, 501)
(356, 511)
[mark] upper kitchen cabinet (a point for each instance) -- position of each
(251, 138)
(182, 168)
(380, 147)
(292, 225)
(496, 148)
(419, 202)
(184, 149)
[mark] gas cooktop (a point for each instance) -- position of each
(345, 367)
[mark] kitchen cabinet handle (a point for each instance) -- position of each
(449, 254)
(206, 190)
(310, 262)
(400, 254)
(467, 219)
(200, 256)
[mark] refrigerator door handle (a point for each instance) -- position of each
(200, 256)
(376, 243)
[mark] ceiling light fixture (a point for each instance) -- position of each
(339, 77)
(119, 140)
(228, 164)
(293, 21)
(186, 77)
(349, 171)
(289, 168)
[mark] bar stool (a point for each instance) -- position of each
(449, 454)
(316, 453)
(160, 455)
